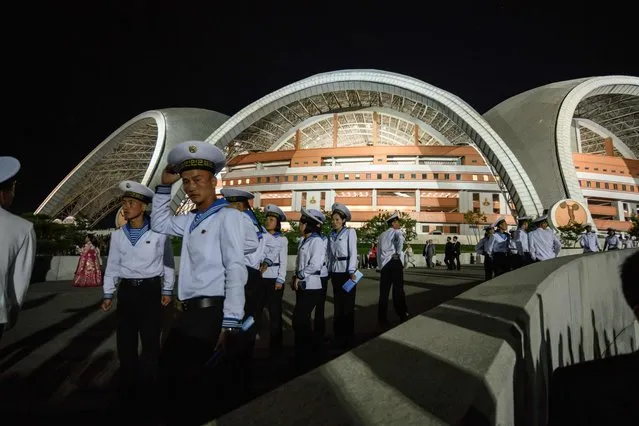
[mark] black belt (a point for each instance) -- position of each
(274, 264)
(198, 303)
(136, 282)
(343, 258)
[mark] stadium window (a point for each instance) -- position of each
(357, 176)
(247, 181)
(259, 180)
(458, 176)
(346, 177)
(623, 187)
(606, 185)
(597, 185)
(485, 178)
(379, 175)
(304, 178)
(588, 184)
(335, 177)
(475, 177)
(402, 176)
(268, 179)
(615, 186)
(314, 177)
(368, 175)
(435, 176)
(231, 183)
(413, 176)
(295, 178)
(424, 176)
(390, 176)
(325, 177)
(446, 176)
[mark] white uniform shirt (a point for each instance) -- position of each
(543, 244)
(521, 241)
(151, 256)
(499, 242)
(212, 257)
(17, 254)
(253, 244)
(389, 243)
(589, 242)
(324, 270)
(276, 256)
(342, 251)
(612, 242)
(310, 258)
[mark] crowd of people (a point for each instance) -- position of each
(232, 268)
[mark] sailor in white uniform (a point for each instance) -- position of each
(319, 320)
(211, 277)
(141, 261)
(255, 289)
(274, 271)
(499, 246)
(480, 249)
(307, 283)
(588, 240)
(390, 245)
(522, 258)
(612, 241)
(342, 265)
(543, 242)
(17, 248)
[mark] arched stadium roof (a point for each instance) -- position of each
(134, 151)
(545, 125)
(267, 123)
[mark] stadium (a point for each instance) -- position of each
(379, 141)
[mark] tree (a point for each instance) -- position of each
(376, 225)
(474, 219)
(634, 230)
(293, 234)
(569, 234)
(55, 239)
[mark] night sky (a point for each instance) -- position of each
(75, 72)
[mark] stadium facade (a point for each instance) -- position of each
(379, 141)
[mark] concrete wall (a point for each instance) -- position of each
(483, 358)
(63, 267)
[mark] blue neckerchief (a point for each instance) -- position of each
(137, 232)
(276, 234)
(251, 215)
(313, 235)
(213, 208)
(335, 235)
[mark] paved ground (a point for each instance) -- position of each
(59, 363)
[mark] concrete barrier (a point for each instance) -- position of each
(483, 358)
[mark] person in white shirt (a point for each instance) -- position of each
(612, 241)
(522, 257)
(274, 271)
(589, 241)
(342, 265)
(255, 289)
(543, 243)
(211, 279)
(499, 246)
(17, 249)
(141, 262)
(389, 252)
(480, 249)
(307, 284)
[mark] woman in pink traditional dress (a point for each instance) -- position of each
(89, 272)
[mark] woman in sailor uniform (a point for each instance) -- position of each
(342, 264)
(307, 283)
(274, 270)
(141, 260)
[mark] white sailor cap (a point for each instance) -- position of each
(314, 215)
(499, 220)
(231, 195)
(524, 218)
(136, 190)
(9, 167)
(392, 217)
(191, 155)
(339, 207)
(273, 210)
(541, 218)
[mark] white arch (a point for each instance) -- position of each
(56, 196)
(383, 110)
(606, 133)
(485, 138)
(615, 84)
